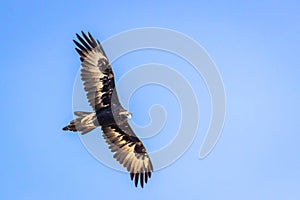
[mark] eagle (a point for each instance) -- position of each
(108, 113)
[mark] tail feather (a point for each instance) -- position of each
(84, 123)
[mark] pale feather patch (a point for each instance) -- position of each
(91, 75)
(124, 152)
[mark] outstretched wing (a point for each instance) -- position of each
(96, 72)
(129, 151)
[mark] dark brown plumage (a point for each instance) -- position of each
(99, 84)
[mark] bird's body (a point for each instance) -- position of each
(106, 116)
(99, 84)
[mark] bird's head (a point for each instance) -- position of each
(125, 113)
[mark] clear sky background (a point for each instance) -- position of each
(255, 46)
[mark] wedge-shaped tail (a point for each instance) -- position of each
(84, 123)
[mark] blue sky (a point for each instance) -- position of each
(255, 46)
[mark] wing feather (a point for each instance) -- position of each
(87, 46)
(96, 72)
(129, 151)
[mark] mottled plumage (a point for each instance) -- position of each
(99, 85)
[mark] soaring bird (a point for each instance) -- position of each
(108, 113)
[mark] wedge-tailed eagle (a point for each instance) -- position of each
(108, 113)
